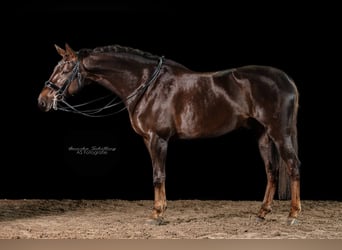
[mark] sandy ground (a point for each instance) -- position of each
(186, 219)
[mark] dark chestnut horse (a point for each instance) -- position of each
(166, 100)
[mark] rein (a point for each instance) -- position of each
(60, 93)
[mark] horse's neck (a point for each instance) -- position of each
(123, 82)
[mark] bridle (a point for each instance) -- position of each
(60, 93)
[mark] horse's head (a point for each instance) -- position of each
(64, 81)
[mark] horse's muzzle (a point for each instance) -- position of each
(44, 104)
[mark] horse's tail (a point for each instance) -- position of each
(284, 189)
(280, 169)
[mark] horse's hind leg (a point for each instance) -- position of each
(289, 155)
(266, 147)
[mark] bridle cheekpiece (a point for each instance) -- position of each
(60, 91)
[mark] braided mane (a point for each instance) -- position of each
(119, 48)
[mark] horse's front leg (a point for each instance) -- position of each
(158, 150)
(160, 203)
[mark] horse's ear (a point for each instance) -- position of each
(60, 51)
(71, 53)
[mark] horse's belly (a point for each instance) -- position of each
(210, 122)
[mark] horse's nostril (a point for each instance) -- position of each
(42, 103)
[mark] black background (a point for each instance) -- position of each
(301, 40)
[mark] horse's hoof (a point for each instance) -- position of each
(260, 219)
(157, 222)
(292, 221)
